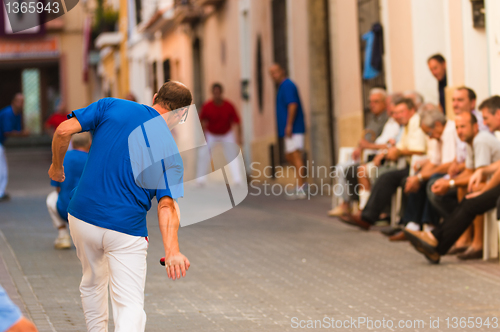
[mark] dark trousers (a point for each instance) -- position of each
(382, 192)
(443, 205)
(418, 208)
(450, 230)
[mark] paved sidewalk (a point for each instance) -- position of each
(254, 268)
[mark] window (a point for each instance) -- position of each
(138, 10)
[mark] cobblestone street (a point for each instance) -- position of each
(253, 268)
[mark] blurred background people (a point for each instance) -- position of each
(58, 200)
(437, 66)
(221, 124)
(291, 125)
(57, 118)
(10, 125)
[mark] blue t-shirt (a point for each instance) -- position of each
(8, 122)
(287, 94)
(74, 162)
(9, 312)
(108, 194)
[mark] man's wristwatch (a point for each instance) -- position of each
(452, 184)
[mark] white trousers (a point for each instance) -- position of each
(57, 221)
(204, 155)
(4, 171)
(115, 259)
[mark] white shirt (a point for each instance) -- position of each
(390, 131)
(444, 150)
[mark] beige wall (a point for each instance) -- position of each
(75, 90)
(346, 72)
(397, 22)
(456, 44)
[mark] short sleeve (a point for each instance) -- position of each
(90, 116)
(469, 160)
(172, 181)
(235, 117)
(55, 184)
(482, 153)
(290, 94)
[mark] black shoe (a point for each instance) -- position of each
(390, 231)
(470, 253)
(5, 198)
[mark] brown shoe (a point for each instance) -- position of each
(471, 253)
(398, 237)
(424, 244)
(456, 250)
(355, 220)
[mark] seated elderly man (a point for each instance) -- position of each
(483, 197)
(445, 201)
(418, 210)
(376, 121)
(417, 98)
(413, 142)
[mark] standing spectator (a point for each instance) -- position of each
(57, 118)
(11, 319)
(221, 124)
(58, 200)
(291, 125)
(10, 125)
(437, 66)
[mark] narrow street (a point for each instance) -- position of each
(253, 268)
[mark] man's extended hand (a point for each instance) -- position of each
(475, 180)
(288, 130)
(56, 174)
(392, 154)
(176, 265)
(412, 184)
(440, 187)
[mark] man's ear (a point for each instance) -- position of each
(154, 98)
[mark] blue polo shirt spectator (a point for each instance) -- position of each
(287, 94)
(9, 121)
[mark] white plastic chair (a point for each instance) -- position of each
(490, 235)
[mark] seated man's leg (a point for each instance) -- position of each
(382, 193)
(444, 204)
(450, 230)
(341, 173)
(415, 204)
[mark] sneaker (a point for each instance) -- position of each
(298, 194)
(63, 242)
(338, 211)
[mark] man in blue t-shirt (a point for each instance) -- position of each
(58, 200)
(10, 125)
(126, 168)
(291, 126)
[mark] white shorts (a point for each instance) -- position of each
(294, 143)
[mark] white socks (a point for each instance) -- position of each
(63, 232)
(363, 198)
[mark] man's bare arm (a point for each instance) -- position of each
(292, 112)
(60, 143)
(168, 220)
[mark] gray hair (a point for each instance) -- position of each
(418, 99)
(81, 140)
(430, 116)
(380, 91)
